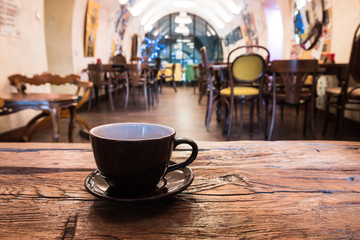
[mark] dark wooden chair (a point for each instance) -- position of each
(246, 66)
(137, 82)
(83, 89)
(288, 86)
(118, 60)
(213, 94)
(148, 75)
(97, 75)
(196, 76)
(346, 97)
(202, 82)
(117, 75)
(157, 74)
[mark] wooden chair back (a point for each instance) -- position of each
(202, 81)
(202, 74)
(133, 74)
(247, 68)
(249, 49)
(206, 68)
(196, 72)
(96, 74)
(20, 81)
(118, 60)
(293, 74)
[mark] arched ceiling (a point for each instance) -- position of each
(216, 12)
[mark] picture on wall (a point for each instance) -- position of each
(9, 18)
(233, 36)
(91, 24)
(122, 19)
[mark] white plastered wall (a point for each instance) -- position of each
(28, 53)
(25, 54)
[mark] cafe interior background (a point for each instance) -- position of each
(63, 37)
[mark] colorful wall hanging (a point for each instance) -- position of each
(91, 24)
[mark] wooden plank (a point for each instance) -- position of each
(241, 190)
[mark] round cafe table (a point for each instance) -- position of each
(48, 102)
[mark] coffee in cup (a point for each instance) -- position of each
(134, 157)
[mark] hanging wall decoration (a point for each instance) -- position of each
(9, 18)
(234, 36)
(322, 46)
(249, 27)
(91, 24)
(121, 20)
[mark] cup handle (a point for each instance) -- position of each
(192, 157)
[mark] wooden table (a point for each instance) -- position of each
(340, 70)
(241, 190)
(221, 72)
(52, 102)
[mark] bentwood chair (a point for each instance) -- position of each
(212, 93)
(196, 76)
(347, 96)
(136, 82)
(246, 84)
(148, 75)
(288, 86)
(118, 76)
(202, 82)
(156, 75)
(118, 60)
(97, 75)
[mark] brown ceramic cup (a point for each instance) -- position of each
(134, 157)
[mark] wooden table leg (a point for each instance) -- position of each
(72, 110)
(55, 117)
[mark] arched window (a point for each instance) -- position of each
(165, 40)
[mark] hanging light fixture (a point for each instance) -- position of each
(184, 3)
(182, 29)
(183, 18)
(122, 2)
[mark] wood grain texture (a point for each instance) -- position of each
(241, 190)
(17, 80)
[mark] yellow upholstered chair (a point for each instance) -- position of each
(246, 75)
(178, 72)
(169, 71)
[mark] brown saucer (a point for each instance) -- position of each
(174, 182)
